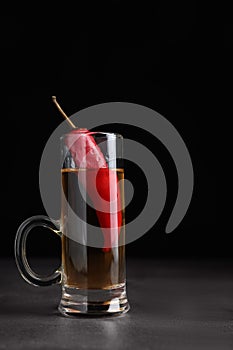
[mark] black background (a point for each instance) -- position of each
(161, 57)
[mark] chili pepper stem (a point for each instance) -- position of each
(62, 112)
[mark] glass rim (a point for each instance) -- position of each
(95, 133)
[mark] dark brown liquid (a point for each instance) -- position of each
(84, 266)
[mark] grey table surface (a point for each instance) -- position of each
(175, 304)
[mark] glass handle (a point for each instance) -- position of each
(20, 251)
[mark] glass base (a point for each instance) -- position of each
(95, 302)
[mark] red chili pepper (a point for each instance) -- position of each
(101, 183)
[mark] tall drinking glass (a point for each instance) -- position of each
(91, 227)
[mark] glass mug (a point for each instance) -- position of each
(91, 227)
